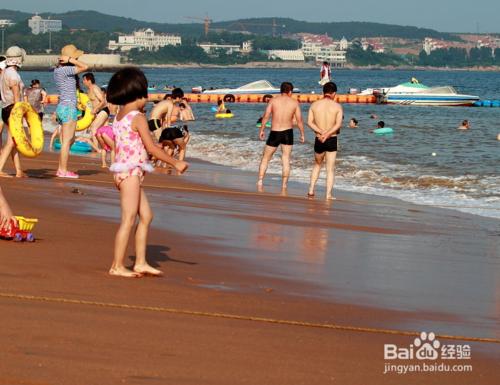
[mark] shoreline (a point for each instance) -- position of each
(205, 274)
(279, 66)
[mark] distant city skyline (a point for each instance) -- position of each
(441, 15)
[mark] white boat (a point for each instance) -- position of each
(413, 93)
(257, 87)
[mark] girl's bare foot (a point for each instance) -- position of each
(147, 270)
(330, 198)
(104, 166)
(21, 175)
(123, 272)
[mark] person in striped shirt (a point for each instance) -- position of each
(67, 113)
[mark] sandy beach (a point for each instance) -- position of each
(259, 288)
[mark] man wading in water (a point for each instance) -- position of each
(325, 119)
(283, 109)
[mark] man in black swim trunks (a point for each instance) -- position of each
(162, 113)
(325, 119)
(284, 110)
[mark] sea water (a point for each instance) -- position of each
(426, 161)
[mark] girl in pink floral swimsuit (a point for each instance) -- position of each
(128, 88)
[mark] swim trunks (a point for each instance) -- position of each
(6, 113)
(171, 133)
(280, 137)
(154, 124)
(330, 145)
(66, 114)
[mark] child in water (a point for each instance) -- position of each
(221, 108)
(128, 88)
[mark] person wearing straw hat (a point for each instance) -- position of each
(67, 112)
(11, 88)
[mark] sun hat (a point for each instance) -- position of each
(71, 51)
(14, 56)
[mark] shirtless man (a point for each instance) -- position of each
(325, 119)
(161, 114)
(176, 137)
(284, 109)
(99, 104)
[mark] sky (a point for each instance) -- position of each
(442, 15)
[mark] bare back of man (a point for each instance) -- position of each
(325, 119)
(284, 111)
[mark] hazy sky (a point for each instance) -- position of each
(442, 15)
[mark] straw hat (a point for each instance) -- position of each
(71, 51)
(14, 56)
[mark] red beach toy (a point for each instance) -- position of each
(21, 232)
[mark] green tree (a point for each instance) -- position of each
(357, 56)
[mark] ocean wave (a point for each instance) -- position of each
(469, 193)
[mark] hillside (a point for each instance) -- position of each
(349, 29)
(97, 21)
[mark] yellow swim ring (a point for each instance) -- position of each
(224, 115)
(28, 147)
(88, 117)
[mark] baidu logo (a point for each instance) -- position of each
(426, 354)
(424, 347)
(427, 346)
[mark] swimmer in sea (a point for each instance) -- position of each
(221, 108)
(464, 126)
(353, 123)
(380, 124)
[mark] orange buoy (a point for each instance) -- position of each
(251, 98)
(352, 98)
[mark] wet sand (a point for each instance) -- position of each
(284, 265)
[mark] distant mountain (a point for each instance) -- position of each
(97, 21)
(93, 20)
(350, 29)
(15, 16)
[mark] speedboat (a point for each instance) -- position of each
(258, 87)
(414, 93)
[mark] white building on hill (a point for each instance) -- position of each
(39, 25)
(212, 48)
(145, 39)
(287, 55)
(324, 48)
(4, 23)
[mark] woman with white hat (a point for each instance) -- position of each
(11, 88)
(67, 112)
